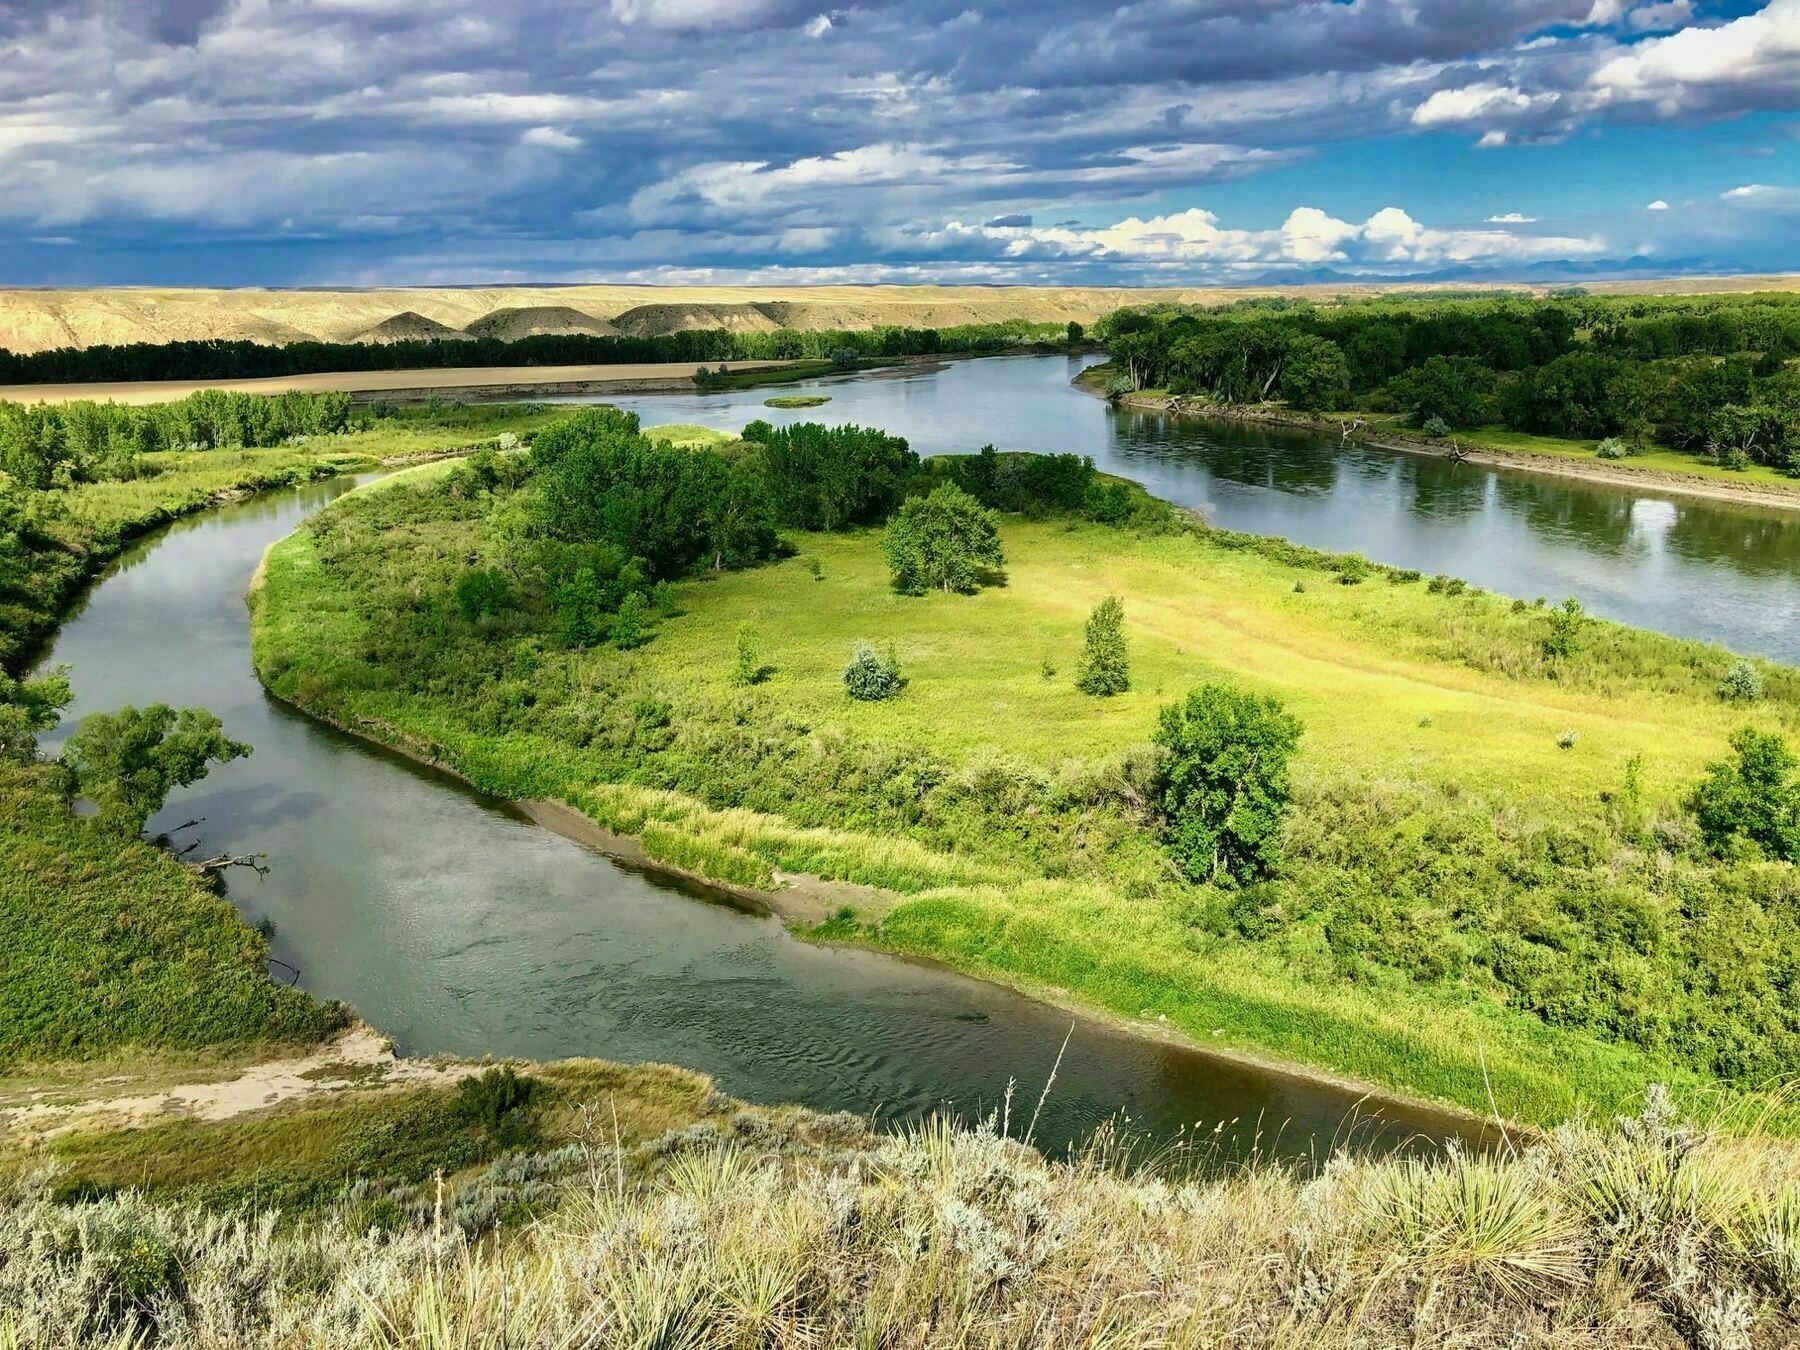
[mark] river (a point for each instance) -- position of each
(455, 925)
(1691, 566)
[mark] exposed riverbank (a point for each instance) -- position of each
(1713, 485)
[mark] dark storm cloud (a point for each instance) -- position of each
(742, 134)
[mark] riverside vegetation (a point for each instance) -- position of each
(1481, 878)
(1687, 382)
(584, 1204)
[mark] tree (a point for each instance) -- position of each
(1105, 666)
(1752, 799)
(1075, 331)
(872, 676)
(578, 603)
(1315, 376)
(28, 707)
(482, 592)
(126, 763)
(1456, 389)
(941, 542)
(1223, 785)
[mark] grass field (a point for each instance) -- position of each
(1486, 889)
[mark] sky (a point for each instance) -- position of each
(1162, 142)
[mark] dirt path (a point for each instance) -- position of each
(496, 382)
(358, 1059)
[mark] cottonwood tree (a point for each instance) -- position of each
(126, 763)
(941, 542)
(1223, 785)
(28, 707)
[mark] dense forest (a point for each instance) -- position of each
(1706, 374)
(231, 360)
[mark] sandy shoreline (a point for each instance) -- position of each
(483, 382)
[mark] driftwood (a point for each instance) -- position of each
(1456, 454)
(207, 867)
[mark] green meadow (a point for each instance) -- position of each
(1490, 892)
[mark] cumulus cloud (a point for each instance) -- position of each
(537, 137)
(1658, 205)
(1512, 218)
(1309, 236)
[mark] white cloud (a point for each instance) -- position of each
(1658, 205)
(1477, 102)
(1512, 218)
(1766, 195)
(818, 26)
(1309, 236)
(1675, 72)
(551, 138)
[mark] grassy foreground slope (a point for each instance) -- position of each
(1489, 888)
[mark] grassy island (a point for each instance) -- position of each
(1492, 891)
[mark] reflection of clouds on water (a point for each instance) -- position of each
(1652, 519)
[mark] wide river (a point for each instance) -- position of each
(454, 925)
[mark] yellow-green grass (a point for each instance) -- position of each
(797, 401)
(688, 434)
(1396, 686)
(305, 1153)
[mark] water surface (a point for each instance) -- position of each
(453, 924)
(1683, 565)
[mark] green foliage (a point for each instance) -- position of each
(631, 625)
(1222, 787)
(28, 707)
(126, 763)
(1436, 428)
(747, 667)
(1751, 800)
(1612, 448)
(941, 542)
(1105, 665)
(483, 592)
(1566, 625)
(1075, 332)
(579, 602)
(872, 676)
(1743, 683)
(1455, 390)
(1315, 376)
(830, 478)
(499, 1102)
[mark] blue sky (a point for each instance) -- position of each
(369, 142)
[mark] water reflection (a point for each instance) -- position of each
(1720, 571)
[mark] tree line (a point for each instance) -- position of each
(224, 359)
(51, 445)
(1707, 375)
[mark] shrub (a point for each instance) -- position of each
(483, 592)
(872, 676)
(1223, 787)
(498, 1103)
(1743, 683)
(1436, 427)
(630, 626)
(577, 604)
(1752, 798)
(1564, 634)
(1105, 666)
(941, 542)
(1612, 448)
(747, 669)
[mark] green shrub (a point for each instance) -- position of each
(1566, 625)
(1751, 800)
(1612, 448)
(872, 676)
(483, 592)
(1105, 666)
(747, 668)
(1436, 427)
(631, 625)
(1743, 683)
(1223, 786)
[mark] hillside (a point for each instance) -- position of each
(39, 320)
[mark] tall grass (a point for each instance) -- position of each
(789, 1230)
